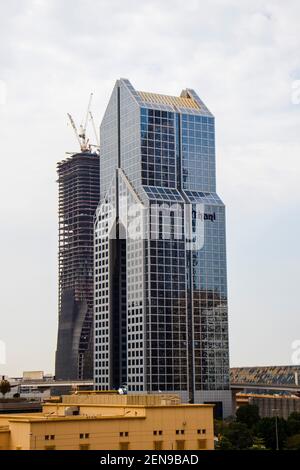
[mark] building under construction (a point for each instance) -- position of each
(78, 183)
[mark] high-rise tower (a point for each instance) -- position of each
(160, 254)
(78, 183)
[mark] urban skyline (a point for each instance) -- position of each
(257, 129)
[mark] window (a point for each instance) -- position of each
(179, 431)
(49, 437)
(201, 431)
(124, 445)
(124, 434)
(157, 445)
(180, 445)
(84, 435)
(157, 433)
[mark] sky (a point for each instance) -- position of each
(242, 58)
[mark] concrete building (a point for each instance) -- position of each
(271, 405)
(78, 183)
(160, 253)
(111, 422)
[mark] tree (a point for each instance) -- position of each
(219, 427)
(258, 444)
(248, 414)
(293, 424)
(238, 435)
(266, 429)
(224, 444)
(293, 442)
(4, 386)
(294, 415)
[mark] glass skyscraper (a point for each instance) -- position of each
(160, 307)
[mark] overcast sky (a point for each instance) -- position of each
(242, 58)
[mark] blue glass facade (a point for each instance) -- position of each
(161, 302)
(198, 153)
(158, 148)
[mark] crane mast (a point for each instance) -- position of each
(81, 136)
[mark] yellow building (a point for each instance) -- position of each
(106, 421)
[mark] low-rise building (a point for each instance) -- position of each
(271, 405)
(109, 421)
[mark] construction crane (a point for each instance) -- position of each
(81, 136)
(75, 128)
(95, 131)
(83, 127)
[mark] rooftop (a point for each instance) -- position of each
(271, 375)
(45, 417)
(178, 101)
(100, 399)
(102, 406)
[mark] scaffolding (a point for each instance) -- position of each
(79, 192)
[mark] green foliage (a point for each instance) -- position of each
(219, 427)
(293, 424)
(224, 444)
(266, 429)
(249, 431)
(293, 442)
(239, 435)
(248, 414)
(4, 387)
(258, 444)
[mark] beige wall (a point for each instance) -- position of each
(117, 399)
(19, 435)
(95, 410)
(104, 433)
(4, 439)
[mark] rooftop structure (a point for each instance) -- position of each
(271, 375)
(108, 421)
(270, 405)
(174, 101)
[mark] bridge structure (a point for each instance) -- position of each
(282, 380)
(265, 380)
(235, 385)
(46, 384)
(267, 387)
